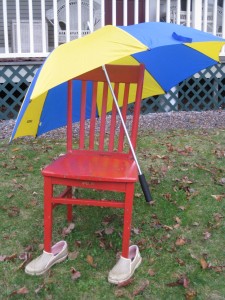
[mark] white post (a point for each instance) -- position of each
(18, 30)
(114, 12)
(147, 11)
(91, 17)
(205, 14)
(188, 9)
(67, 20)
(157, 18)
(102, 13)
(31, 27)
(178, 12)
(44, 45)
(197, 14)
(56, 28)
(215, 6)
(136, 11)
(5, 22)
(125, 12)
(168, 10)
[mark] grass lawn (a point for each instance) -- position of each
(181, 236)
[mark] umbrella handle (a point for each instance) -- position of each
(142, 180)
(145, 187)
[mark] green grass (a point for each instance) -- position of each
(181, 236)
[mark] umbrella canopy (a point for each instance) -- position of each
(170, 53)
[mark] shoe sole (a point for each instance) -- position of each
(46, 269)
(132, 273)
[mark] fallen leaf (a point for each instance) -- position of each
(180, 262)
(136, 230)
(8, 258)
(222, 181)
(207, 235)
(182, 208)
(109, 230)
(217, 217)
(183, 280)
(178, 220)
(190, 295)
(203, 263)
(141, 287)
(13, 211)
(90, 260)
(125, 283)
(39, 288)
(75, 274)
(181, 242)
(2, 257)
(67, 230)
(151, 272)
(218, 197)
(73, 255)
(21, 291)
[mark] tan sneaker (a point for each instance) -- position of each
(44, 262)
(125, 267)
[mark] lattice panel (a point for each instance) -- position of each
(204, 91)
(14, 82)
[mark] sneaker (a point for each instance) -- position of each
(44, 262)
(125, 267)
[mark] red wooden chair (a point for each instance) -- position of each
(108, 167)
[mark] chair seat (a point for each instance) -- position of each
(96, 167)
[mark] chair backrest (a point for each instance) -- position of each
(106, 133)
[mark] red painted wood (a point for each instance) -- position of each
(104, 168)
(82, 115)
(93, 117)
(69, 117)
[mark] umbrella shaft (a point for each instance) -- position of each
(122, 120)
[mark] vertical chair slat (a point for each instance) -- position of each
(113, 120)
(103, 116)
(82, 115)
(136, 113)
(93, 117)
(124, 115)
(69, 133)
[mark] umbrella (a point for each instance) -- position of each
(170, 53)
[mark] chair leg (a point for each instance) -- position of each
(69, 207)
(127, 219)
(48, 193)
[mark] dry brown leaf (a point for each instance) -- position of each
(125, 283)
(67, 230)
(21, 291)
(2, 257)
(109, 230)
(183, 280)
(182, 208)
(39, 288)
(203, 263)
(181, 242)
(73, 255)
(190, 295)
(207, 235)
(151, 272)
(8, 258)
(143, 285)
(13, 211)
(218, 197)
(180, 262)
(75, 274)
(90, 260)
(178, 220)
